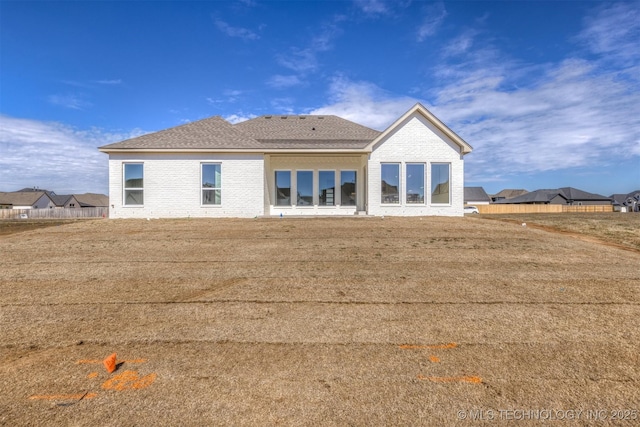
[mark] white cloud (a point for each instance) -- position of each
(229, 95)
(282, 82)
(74, 102)
(299, 60)
(53, 156)
(372, 7)
(112, 82)
(434, 17)
(305, 60)
(576, 114)
(522, 118)
(613, 30)
(364, 103)
(239, 117)
(242, 33)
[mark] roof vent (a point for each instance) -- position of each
(267, 117)
(283, 117)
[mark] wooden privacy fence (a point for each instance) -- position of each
(516, 209)
(56, 213)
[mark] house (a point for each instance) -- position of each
(92, 200)
(560, 196)
(26, 200)
(86, 200)
(630, 202)
(476, 196)
(508, 194)
(65, 201)
(290, 165)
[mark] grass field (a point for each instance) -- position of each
(346, 321)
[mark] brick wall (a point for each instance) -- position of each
(172, 186)
(416, 141)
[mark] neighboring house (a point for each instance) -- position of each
(92, 200)
(86, 200)
(476, 196)
(560, 196)
(65, 201)
(507, 194)
(26, 200)
(289, 165)
(630, 201)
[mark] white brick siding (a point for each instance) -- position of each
(172, 185)
(416, 141)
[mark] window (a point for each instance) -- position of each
(305, 188)
(326, 188)
(133, 184)
(283, 188)
(348, 188)
(390, 180)
(415, 183)
(211, 183)
(440, 192)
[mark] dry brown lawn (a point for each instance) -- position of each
(346, 321)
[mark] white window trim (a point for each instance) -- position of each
(424, 183)
(125, 188)
(202, 204)
(400, 186)
(431, 202)
(339, 183)
(275, 189)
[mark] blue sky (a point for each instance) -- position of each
(547, 93)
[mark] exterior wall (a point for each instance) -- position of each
(416, 141)
(43, 202)
(71, 201)
(172, 185)
(315, 163)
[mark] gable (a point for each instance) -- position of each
(430, 122)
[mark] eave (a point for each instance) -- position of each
(365, 150)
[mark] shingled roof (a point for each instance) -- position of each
(570, 194)
(211, 133)
(90, 200)
(260, 134)
(21, 198)
(312, 131)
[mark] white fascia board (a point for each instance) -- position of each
(237, 151)
(465, 148)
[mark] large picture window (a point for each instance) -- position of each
(211, 183)
(415, 183)
(133, 184)
(390, 181)
(326, 188)
(348, 188)
(440, 183)
(304, 186)
(283, 188)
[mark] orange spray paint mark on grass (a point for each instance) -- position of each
(129, 380)
(97, 362)
(465, 379)
(434, 359)
(432, 347)
(63, 396)
(92, 375)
